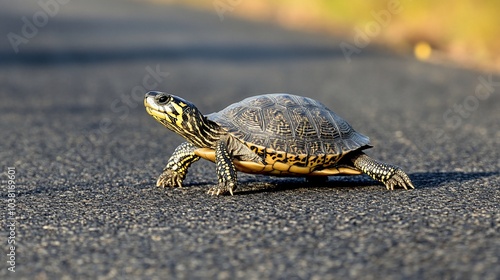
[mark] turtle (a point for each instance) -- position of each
(274, 134)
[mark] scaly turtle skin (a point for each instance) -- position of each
(274, 134)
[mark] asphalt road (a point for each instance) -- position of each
(86, 154)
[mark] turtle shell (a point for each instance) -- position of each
(290, 130)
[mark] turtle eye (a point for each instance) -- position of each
(163, 99)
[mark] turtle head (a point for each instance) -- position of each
(182, 117)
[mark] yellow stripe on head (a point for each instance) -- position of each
(177, 108)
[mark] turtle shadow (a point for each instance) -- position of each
(421, 180)
(429, 180)
(262, 184)
(291, 184)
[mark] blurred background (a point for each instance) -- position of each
(73, 75)
(464, 33)
(106, 55)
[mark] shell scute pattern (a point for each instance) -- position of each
(253, 118)
(298, 147)
(329, 127)
(315, 160)
(280, 145)
(330, 159)
(290, 129)
(286, 100)
(315, 148)
(278, 122)
(304, 127)
(257, 140)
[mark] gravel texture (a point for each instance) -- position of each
(86, 154)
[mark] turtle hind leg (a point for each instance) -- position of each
(388, 174)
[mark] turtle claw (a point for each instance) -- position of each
(399, 178)
(169, 178)
(222, 188)
(214, 191)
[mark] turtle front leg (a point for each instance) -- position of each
(224, 167)
(388, 174)
(176, 169)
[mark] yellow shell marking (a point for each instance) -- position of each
(279, 168)
(299, 170)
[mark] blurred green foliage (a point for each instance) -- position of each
(464, 31)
